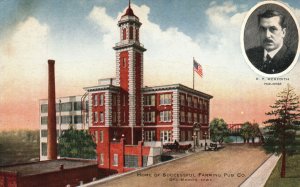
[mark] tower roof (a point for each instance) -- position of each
(129, 11)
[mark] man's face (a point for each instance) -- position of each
(271, 33)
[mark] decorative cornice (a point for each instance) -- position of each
(178, 87)
(102, 87)
(134, 44)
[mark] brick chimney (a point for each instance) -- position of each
(52, 143)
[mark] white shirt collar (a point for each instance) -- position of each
(272, 53)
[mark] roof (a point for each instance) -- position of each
(102, 87)
(129, 11)
(48, 166)
(176, 86)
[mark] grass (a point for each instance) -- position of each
(292, 178)
(19, 146)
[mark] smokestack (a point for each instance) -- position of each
(52, 144)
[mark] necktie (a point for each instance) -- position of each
(268, 59)
(266, 64)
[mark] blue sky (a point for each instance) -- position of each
(80, 34)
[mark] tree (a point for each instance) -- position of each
(218, 130)
(255, 132)
(246, 131)
(250, 131)
(76, 144)
(281, 132)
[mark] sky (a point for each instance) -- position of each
(79, 36)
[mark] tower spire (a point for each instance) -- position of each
(129, 3)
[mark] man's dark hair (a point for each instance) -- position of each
(273, 13)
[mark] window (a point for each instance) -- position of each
(114, 117)
(77, 105)
(195, 117)
(44, 133)
(189, 135)
(189, 100)
(201, 103)
(130, 33)
(101, 160)
(165, 136)
(145, 161)
(182, 135)
(182, 116)
(165, 116)
(204, 105)
(201, 118)
(150, 136)
(131, 161)
(124, 64)
(44, 108)
(44, 120)
(124, 100)
(95, 100)
(149, 116)
(66, 106)
(95, 114)
(124, 34)
(182, 100)
(165, 99)
(101, 137)
(101, 100)
(66, 119)
(195, 102)
(101, 117)
(115, 162)
(96, 136)
(149, 100)
(190, 117)
(77, 119)
(114, 100)
(124, 116)
(44, 149)
(205, 119)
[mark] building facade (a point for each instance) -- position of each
(69, 111)
(122, 108)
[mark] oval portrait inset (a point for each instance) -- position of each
(270, 39)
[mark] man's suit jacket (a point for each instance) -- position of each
(280, 62)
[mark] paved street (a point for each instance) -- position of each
(227, 167)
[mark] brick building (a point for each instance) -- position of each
(50, 173)
(123, 111)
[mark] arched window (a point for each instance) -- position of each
(124, 62)
(124, 34)
(130, 33)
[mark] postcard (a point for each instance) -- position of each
(149, 82)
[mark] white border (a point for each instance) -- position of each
(242, 39)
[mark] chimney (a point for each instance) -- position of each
(52, 143)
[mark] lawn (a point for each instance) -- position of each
(292, 178)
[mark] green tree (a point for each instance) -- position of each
(218, 130)
(75, 143)
(281, 130)
(255, 132)
(246, 131)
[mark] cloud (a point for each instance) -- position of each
(22, 58)
(165, 47)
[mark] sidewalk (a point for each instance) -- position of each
(261, 175)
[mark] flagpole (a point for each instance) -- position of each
(193, 75)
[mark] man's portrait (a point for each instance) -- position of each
(271, 39)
